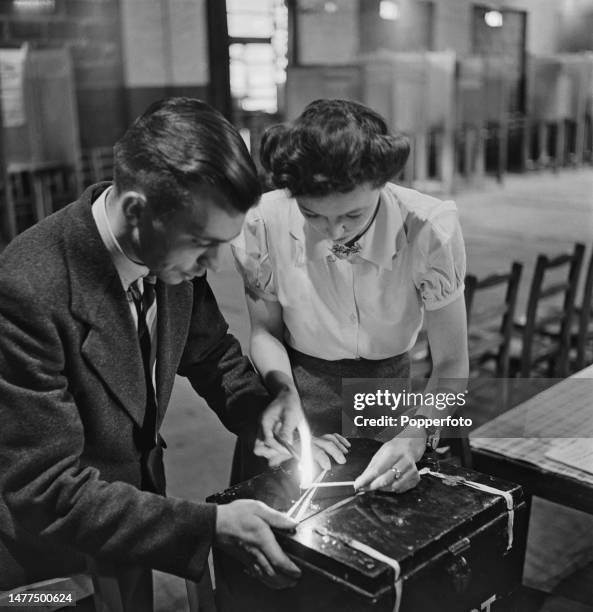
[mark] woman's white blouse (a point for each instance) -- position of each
(412, 258)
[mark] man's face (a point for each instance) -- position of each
(184, 245)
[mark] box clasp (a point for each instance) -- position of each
(459, 569)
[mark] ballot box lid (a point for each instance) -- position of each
(411, 528)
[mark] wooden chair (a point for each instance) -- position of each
(581, 332)
(102, 164)
(490, 305)
(56, 187)
(543, 338)
(86, 168)
(96, 165)
(20, 201)
(98, 591)
(112, 588)
(490, 328)
(489, 336)
(36, 190)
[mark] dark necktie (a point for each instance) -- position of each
(143, 301)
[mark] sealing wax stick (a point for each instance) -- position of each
(344, 483)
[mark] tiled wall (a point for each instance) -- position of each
(453, 24)
(333, 37)
(578, 26)
(90, 28)
(163, 53)
(129, 52)
(165, 50)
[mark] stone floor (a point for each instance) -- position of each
(526, 215)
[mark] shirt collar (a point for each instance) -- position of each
(379, 245)
(129, 271)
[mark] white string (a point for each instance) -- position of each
(304, 500)
(374, 554)
(506, 495)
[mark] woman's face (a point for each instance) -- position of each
(340, 216)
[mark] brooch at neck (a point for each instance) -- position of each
(344, 251)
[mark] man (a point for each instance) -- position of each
(101, 304)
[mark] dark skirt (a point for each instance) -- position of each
(319, 383)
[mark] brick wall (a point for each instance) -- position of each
(90, 29)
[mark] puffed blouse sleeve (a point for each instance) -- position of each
(252, 258)
(439, 259)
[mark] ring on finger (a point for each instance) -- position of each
(396, 472)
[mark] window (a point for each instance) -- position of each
(258, 42)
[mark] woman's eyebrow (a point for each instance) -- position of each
(350, 212)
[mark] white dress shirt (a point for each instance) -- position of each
(129, 272)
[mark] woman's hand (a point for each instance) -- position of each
(324, 449)
(330, 445)
(394, 465)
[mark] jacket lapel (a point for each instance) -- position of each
(173, 317)
(111, 346)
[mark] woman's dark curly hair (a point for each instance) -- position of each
(334, 146)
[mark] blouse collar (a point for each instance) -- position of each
(379, 245)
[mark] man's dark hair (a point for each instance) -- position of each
(333, 146)
(178, 145)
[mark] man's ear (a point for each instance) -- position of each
(133, 206)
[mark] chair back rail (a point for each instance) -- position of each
(585, 318)
(490, 331)
(533, 326)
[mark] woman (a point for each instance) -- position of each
(340, 267)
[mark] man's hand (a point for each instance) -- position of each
(243, 529)
(394, 465)
(280, 419)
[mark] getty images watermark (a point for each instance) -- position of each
(406, 401)
(381, 408)
(546, 408)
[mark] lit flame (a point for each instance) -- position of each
(306, 465)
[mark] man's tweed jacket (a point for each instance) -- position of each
(72, 396)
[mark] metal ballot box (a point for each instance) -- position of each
(454, 543)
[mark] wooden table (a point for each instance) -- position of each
(514, 445)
